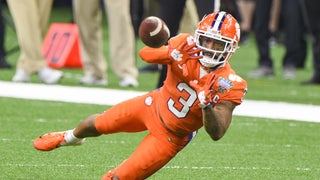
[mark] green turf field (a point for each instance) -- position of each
(253, 148)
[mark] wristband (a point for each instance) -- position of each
(204, 106)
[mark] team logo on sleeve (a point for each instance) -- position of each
(176, 55)
(224, 85)
(148, 101)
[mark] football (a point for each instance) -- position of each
(154, 32)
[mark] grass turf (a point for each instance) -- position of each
(253, 148)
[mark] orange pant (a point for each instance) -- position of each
(155, 150)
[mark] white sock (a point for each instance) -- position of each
(69, 137)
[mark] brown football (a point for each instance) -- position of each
(154, 32)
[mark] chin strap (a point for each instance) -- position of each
(210, 69)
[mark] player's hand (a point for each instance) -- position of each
(205, 92)
(182, 49)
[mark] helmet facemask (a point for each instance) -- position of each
(220, 51)
(217, 36)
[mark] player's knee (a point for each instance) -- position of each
(111, 175)
(92, 118)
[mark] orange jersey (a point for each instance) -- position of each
(178, 102)
(171, 114)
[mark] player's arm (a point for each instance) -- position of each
(216, 120)
(155, 55)
(180, 49)
(217, 111)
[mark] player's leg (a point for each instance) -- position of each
(29, 19)
(151, 155)
(122, 55)
(124, 117)
(53, 140)
(88, 17)
(156, 149)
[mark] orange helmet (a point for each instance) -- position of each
(221, 30)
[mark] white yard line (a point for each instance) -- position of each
(104, 96)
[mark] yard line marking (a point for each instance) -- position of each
(50, 165)
(279, 110)
(105, 96)
(165, 167)
(238, 168)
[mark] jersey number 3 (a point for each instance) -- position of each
(186, 103)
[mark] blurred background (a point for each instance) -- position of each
(274, 88)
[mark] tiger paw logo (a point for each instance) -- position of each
(176, 55)
(148, 101)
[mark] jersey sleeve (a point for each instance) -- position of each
(161, 55)
(155, 55)
(232, 88)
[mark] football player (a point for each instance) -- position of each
(201, 90)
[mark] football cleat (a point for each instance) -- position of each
(50, 76)
(21, 76)
(128, 81)
(262, 71)
(50, 141)
(92, 80)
